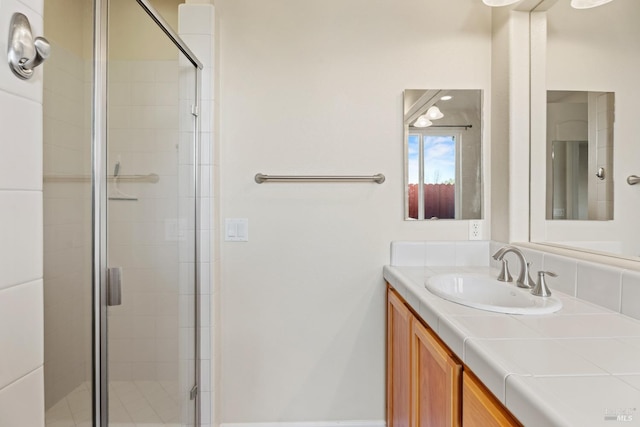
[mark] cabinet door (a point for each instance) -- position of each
(436, 381)
(480, 408)
(398, 361)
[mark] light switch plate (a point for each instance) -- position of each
(236, 229)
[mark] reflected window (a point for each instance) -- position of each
(443, 154)
(432, 162)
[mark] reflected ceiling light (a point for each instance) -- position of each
(446, 98)
(434, 113)
(497, 3)
(422, 122)
(587, 4)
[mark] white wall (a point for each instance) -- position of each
(310, 87)
(21, 306)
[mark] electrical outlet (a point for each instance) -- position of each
(475, 230)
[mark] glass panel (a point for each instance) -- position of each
(67, 212)
(150, 228)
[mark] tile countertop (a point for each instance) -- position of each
(579, 366)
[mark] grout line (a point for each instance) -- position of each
(21, 377)
(15, 285)
(22, 190)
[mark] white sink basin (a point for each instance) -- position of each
(486, 293)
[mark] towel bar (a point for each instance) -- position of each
(378, 178)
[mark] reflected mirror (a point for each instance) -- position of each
(580, 155)
(443, 154)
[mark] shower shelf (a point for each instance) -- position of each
(151, 178)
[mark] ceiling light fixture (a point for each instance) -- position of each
(434, 113)
(446, 98)
(498, 3)
(587, 4)
(422, 122)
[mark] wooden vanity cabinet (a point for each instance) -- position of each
(398, 361)
(435, 381)
(480, 408)
(426, 385)
(423, 379)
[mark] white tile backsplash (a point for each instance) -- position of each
(630, 301)
(599, 284)
(439, 254)
(472, 254)
(566, 269)
(407, 254)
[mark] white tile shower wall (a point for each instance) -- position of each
(437, 254)
(144, 235)
(21, 391)
(196, 27)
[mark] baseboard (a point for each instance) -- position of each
(366, 423)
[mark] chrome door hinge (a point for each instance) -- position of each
(195, 111)
(194, 392)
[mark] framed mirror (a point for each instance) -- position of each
(443, 154)
(594, 54)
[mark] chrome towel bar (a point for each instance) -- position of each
(378, 178)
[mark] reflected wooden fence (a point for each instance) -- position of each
(439, 201)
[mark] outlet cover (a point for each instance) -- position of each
(475, 230)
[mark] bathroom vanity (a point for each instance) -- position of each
(426, 382)
(457, 365)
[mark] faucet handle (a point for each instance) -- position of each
(504, 275)
(541, 289)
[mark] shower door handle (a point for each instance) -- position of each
(114, 286)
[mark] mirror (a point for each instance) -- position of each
(576, 54)
(443, 154)
(579, 160)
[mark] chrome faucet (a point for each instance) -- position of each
(524, 280)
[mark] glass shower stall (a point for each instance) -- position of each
(121, 196)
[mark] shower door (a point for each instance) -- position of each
(150, 230)
(120, 213)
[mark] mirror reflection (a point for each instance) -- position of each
(443, 154)
(580, 155)
(595, 51)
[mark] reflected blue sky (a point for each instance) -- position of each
(439, 159)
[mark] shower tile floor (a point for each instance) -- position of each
(131, 404)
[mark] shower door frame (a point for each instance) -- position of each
(100, 379)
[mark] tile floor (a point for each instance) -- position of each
(131, 404)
